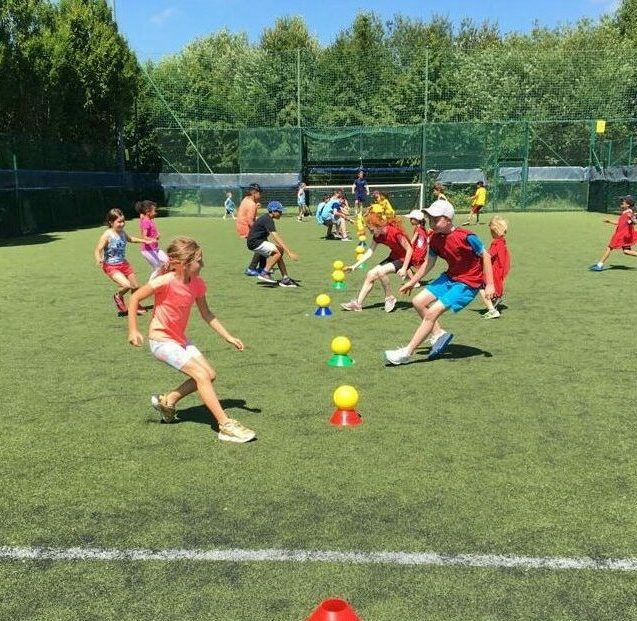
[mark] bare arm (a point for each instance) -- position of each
(408, 252)
(134, 335)
(362, 258)
(421, 272)
(99, 248)
(209, 317)
(138, 240)
(278, 240)
(489, 289)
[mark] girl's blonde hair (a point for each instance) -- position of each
(499, 226)
(181, 250)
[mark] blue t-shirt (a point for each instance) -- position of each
(360, 188)
(229, 204)
(474, 241)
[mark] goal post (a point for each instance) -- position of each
(403, 196)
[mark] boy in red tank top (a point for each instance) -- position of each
(469, 268)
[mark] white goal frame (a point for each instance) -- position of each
(383, 187)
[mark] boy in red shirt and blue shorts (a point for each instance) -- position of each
(469, 268)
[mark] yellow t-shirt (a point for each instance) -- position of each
(481, 197)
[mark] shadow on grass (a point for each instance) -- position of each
(483, 311)
(400, 305)
(200, 413)
(453, 352)
(29, 240)
(619, 267)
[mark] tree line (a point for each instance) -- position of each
(70, 78)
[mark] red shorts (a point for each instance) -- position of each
(123, 268)
(476, 208)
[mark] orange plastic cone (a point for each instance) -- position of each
(334, 610)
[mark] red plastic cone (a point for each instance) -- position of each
(334, 610)
(345, 418)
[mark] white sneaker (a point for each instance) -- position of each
(353, 305)
(390, 304)
(397, 356)
(492, 314)
(233, 431)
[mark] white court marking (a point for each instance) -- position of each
(233, 555)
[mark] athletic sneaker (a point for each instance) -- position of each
(286, 281)
(346, 239)
(234, 431)
(266, 277)
(397, 356)
(353, 305)
(141, 311)
(492, 314)
(390, 304)
(167, 412)
(119, 303)
(596, 268)
(440, 344)
(250, 272)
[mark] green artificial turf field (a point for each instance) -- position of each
(520, 441)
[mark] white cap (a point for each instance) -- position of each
(416, 214)
(440, 208)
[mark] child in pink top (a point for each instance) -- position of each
(175, 293)
(157, 258)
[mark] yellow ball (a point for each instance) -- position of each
(345, 397)
(338, 275)
(338, 265)
(359, 250)
(341, 345)
(323, 300)
(362, 238)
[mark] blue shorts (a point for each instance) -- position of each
(450, 293)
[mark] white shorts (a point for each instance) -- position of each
(172, 353)
(265, 249)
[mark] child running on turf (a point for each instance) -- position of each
(175, 293)
(110, 255)
(246, 215)
(155, 256)
(469, 267)
(500, 265)
(228, 205)
(388, 232)
(624, 236)
(257, 241)
(301, 203)
(478, 201)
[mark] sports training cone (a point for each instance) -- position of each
(345, 415)
(340, 352)
(334, 610)
(323, 305)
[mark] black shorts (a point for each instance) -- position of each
(397, 263)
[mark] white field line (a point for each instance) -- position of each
(490, 561)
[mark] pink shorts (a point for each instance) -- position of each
(123, 268)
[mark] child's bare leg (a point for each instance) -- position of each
(203, 375)
(368, 284)
(605, 255)
(426, 326)
(630, 253)
(282, 266)
(123, 284)
(383, 271)
(488, 302)
(272, 260)
(420, 303)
